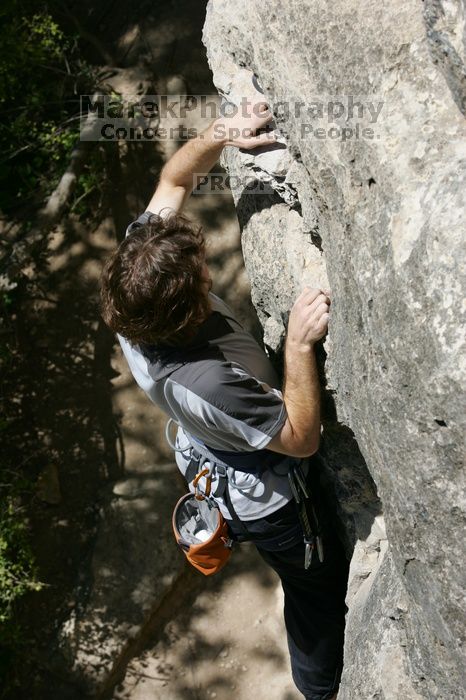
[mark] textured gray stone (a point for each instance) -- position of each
(380, 221)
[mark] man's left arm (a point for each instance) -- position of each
(200, 154)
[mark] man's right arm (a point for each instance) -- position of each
(308, 322)
(199, 155)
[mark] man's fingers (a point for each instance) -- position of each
(309, 295)
(310, 315)
(317, 329)
(323, 321)
(259, 106)
(267, 116)
(313, 314)
(260, 140)
(263, 111)
(311, 311)
(319, 310)
(321, 300)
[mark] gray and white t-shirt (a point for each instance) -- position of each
(223, 389)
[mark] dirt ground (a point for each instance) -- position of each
(229, 642)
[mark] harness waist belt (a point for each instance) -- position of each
(254, 462)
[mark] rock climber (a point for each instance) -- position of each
(156, 296)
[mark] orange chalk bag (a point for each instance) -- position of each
(202, 534)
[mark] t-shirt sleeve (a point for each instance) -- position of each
(144, 218)
(225, 407)
(140, 221)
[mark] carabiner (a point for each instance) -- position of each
(197, 493)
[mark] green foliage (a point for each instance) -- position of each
(41, 78)
(40, 42)
(17, 570)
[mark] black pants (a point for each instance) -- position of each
(314, 602)
(314, 615)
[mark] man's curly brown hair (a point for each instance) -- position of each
(152, 287)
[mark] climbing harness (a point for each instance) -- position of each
(200, 528)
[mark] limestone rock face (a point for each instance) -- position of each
(368, 199)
